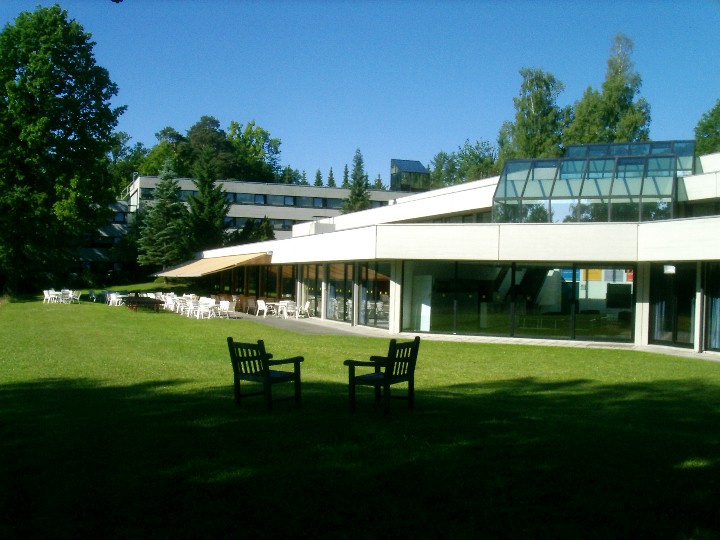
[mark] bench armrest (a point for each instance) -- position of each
(293, 360)
(372, 363)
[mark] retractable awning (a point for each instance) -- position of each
(202, 267)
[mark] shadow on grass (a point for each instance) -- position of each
(511, 459)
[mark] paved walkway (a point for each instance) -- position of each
(327, 327)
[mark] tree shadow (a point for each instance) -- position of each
(504, 459)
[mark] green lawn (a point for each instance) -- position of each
(116, 424)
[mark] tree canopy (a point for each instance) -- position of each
(613, 114)
(707, 131)
(469, 162)
(539, 121)
(56, 132)
(245, 152)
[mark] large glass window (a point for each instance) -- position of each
(270, 282)
(483, 298)
(312, 288)
(604, 303)
(374, 309)
(339, 292)
(428, 296)
(524, 300)
(543, 301)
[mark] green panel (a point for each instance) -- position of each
(540, 179)
(599, 178)
(512, 182)
(628, 180)
(569, 179)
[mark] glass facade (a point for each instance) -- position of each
(519, 300)
(594, 183)
(312, 279)
(374, 308)
(339, 304)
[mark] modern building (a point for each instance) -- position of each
(613, 243)
(408, 175)
(284, 204)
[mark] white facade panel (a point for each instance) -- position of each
(587, 242)
(432, 241)
(355, 244)
(470, 197)
(699, 186)
(680, 240)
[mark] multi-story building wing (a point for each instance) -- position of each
(285, 205)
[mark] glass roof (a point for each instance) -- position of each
(595, 182)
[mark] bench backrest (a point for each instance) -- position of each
(247, 358)
(403, 357)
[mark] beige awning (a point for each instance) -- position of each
(202, 267)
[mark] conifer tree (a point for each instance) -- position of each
(331, 179)
(359, 198)
(209, 207)
(164, 236)
(318, 178)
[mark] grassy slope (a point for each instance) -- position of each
(122, 424)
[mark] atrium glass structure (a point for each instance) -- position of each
(617, 182)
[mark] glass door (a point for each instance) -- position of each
(672, 304)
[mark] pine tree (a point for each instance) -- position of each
(164, 235)
(346, 178)
(318, 179)
(379, 183)
(209, 207)
(359, 198)
(331, 179)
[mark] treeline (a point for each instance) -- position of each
(541, 128)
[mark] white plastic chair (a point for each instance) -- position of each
(305, 310)
(223, 309)
(261, 306)
(205, 308)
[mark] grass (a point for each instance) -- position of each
(122, 425)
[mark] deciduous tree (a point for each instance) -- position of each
(707, 132)
(539, 121)
(56, 131)
(615, 114)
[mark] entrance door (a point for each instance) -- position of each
(672, 304)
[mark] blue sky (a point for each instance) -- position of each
(397, 79)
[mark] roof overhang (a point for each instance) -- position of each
(210, 265)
